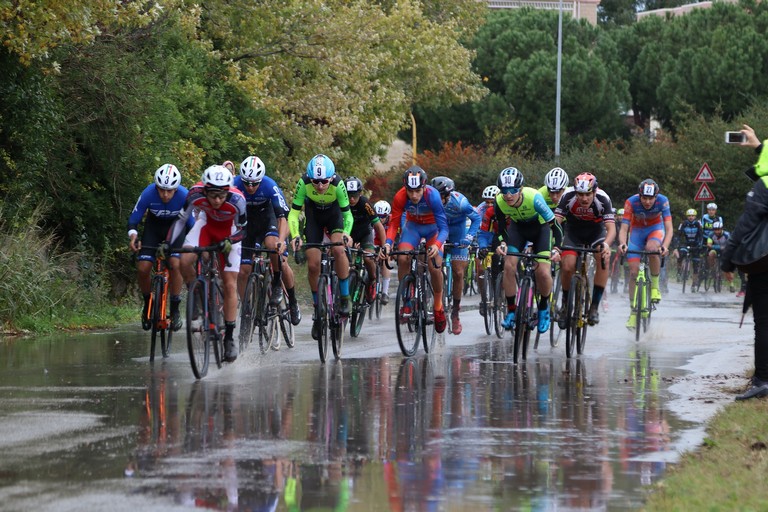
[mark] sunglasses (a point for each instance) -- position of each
(216, 195)
(556, 191)
(321, 182)
(509, 190)
(251, 184)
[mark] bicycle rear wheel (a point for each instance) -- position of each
(216, 321)
(248, 311)
(286, 327)
(521, 318)
(581, 340)
(266, 331)
(648, 306)
(407, 319)
(640, 287)
(448, 297)
(685, 269)
(197, 330)
(356, 319)
(321, 314)
(554, 327)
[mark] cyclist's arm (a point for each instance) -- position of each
(474, 218)
(398, 203)
(240, 221)
(343, 199)
(178, 227)
(139, 209)
(298, 203)
(438, 211)
(668, 232)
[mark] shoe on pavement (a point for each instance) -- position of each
(562, 319)
(344, 306)
(757, 389)
(482, 308)
(455, 323)
(315, 328)
(509, 320)
(544, 320)
(594, 315)
(655, 295)
(277, 294)
(146, 322)
(295, 313)
(384, 299)
(370, 292)
(230, 350)
(175, 319)
(440, 321)
(632, 322)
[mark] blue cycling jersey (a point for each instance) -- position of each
(268, 191)
(458, 209)
(149, 202)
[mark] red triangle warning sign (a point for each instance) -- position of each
(704, 194)
(704, 175)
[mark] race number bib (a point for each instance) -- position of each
(319, 169)
(507, 181)
(648, 190)
(414, 181)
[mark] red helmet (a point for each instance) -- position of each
(585, 183)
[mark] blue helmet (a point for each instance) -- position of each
(320, 168)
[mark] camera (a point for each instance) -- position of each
(735, 138)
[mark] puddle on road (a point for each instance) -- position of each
(455, 430)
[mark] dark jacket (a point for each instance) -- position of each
(755, 212)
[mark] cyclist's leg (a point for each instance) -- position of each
(637, 237)
(459, 268)
(541, 246)
(653, 243)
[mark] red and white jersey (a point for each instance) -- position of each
(219, 221)
(599, 211)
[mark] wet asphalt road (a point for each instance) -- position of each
(87, 423)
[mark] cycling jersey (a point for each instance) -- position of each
(690, 234)
(428, 211)
(225, 222)
(268, 192)
(160, 218)
(458, 210)
(364, 217)
(585, 225)
(544, 191)
(636, 216)
(385, 223)
(527, 222)
(706, 223)
(328, 210)
(719, 241)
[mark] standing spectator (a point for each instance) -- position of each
(742, 248)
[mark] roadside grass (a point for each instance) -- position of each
(727, 472)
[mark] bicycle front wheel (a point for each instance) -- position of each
(407, 320)
(684, 276)
(639, 305)
(197, 330)
(486, 284)
(427, 312)
(499, 305)
(286, 327)
(521, 318)
(266, 330)
(573, 312)
(321, 315)
(248, 311)
(356, 319)
(554, 327)
(586, 303)
(155, 314)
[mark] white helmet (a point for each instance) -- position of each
(217, 177)
(382, 208)
(252, 170)
(556, 179)
(491, 192)
(711, 206)
(168, 177)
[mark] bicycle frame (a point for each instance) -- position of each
(579, 301)
(526, 315)
(158, 309)
(642, 305)
(359, 271)
(326, 309)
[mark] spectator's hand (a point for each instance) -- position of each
(752, 140)
(225, 246)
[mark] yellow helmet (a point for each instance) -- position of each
(689, 212)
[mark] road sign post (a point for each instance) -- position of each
(704, 194)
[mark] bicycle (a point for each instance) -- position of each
(447, 271)
(579, 301)
(554, 329)
(414, 304)
(499, 298)
(205, 311)
(642, 305)
(526, 314)
(157, 311)
(331, 323)
(257, 309)
(358, 277)
(716, 274)
(377, 305)
(486, 288)
(469, 275)
(685, 267)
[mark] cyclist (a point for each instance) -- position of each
(424, 218)
(267, 225)
(690, 233)
(647, 214)
(715, 246)
(365, 219)
(383, 209)
(531, 221)
(484, 239)
(615, 259)
(710, 218)
(590, 221)
(555, 183)
(162, 201)
(327, 209)
(458, 210)
(221, 218)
